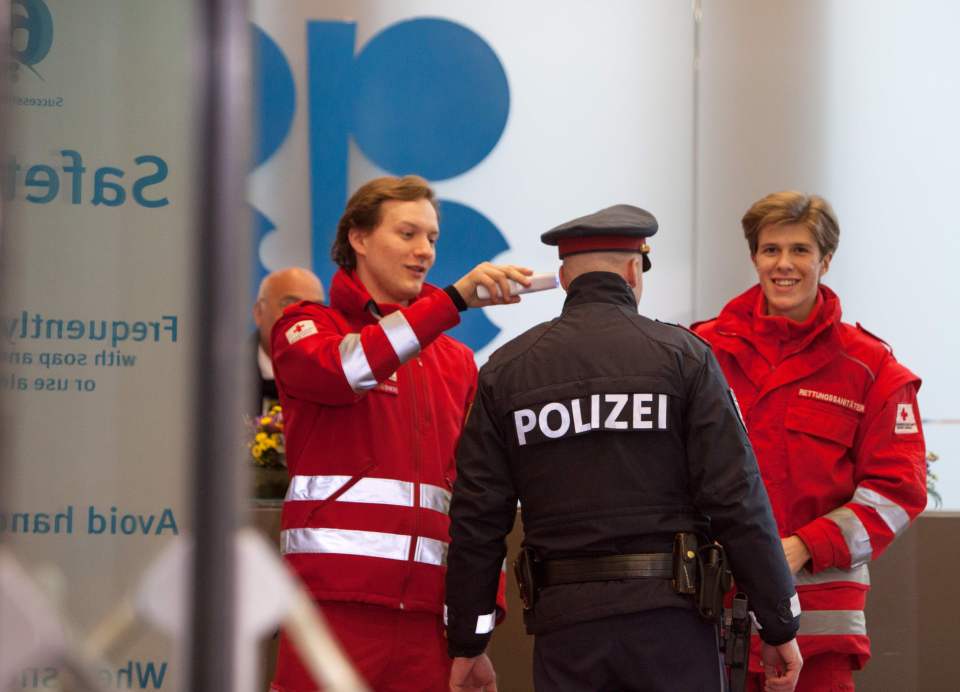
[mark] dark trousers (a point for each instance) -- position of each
(663, 650)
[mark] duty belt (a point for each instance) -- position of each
(607, 568)
(695, 570)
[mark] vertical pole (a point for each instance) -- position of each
(6, 122)
(5, 93)
(223, 245)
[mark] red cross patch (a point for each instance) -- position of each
(300, 330)
(906, 420)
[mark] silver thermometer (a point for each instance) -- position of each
(538, 282)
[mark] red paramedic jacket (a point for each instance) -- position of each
(834, 422)
(374, 398)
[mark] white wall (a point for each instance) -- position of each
(857, 101)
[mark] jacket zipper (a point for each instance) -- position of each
(416, 380)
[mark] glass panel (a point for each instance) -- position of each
(98, 188)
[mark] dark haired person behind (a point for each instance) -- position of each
(834, 422)
(277, 290)
(374, 395)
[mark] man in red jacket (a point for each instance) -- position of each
(833, 419)
(374, 396)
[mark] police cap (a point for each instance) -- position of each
(620, 228)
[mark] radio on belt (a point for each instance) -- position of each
(538, 282)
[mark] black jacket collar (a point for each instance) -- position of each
(599, 287)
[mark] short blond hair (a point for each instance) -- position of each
(789, 207)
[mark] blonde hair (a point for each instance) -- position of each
(789, 207)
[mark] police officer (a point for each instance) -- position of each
(619, 436)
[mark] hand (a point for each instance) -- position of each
(473, 675)
(781, 666)
(795, 550)
(495, 277)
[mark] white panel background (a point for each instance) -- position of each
(600, 113)
(857, 101)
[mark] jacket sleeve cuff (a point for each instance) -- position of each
(455, 650)
(456, 298)
(782, 625)
(463, 639)
(819, 537)
(780, 638)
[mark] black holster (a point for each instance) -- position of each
(715, 581)
(701, 572)
(524, 569)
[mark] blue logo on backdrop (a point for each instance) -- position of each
(31, 33)
(424, 96)
(276, 102)
(273, 83)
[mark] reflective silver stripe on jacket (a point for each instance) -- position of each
(431, 552)
(795, 605)
(391, 546)
(893, 514)
(400, 335)
(380, 491)
(854, 534)
(485, 623)
(356, 368)
(857, 575)
(314, 487)
(821, 622)
(435, 498)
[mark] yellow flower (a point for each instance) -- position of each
(267, 444)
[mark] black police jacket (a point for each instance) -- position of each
(614, 432)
